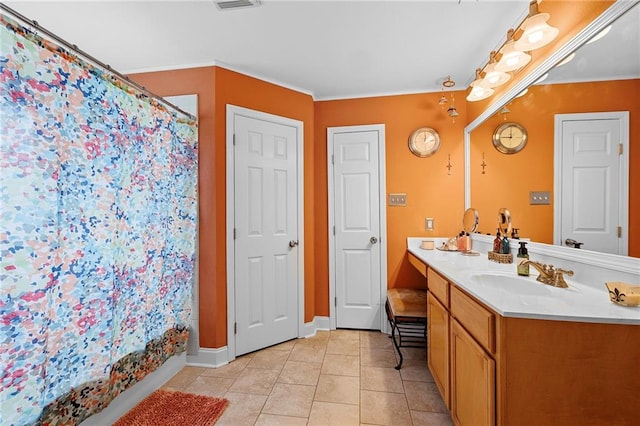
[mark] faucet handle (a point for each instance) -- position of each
(558, 278)
(564, 271)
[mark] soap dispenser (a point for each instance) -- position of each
(505, 245)
(523, 255)
(497, 243)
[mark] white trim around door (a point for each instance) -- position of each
(231, 112)
(380, 128)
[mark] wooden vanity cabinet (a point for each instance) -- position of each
(438, 345)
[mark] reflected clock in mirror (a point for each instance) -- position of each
(509, 138)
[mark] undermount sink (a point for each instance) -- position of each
(525, 286)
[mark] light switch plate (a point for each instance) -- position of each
(428, 224)
(398, 200)
(539, 197)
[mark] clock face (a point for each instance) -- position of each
(424, 142)
(510, 138)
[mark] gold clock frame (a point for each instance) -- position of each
(416, 146)
(499, 133)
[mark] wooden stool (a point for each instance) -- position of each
(407, 315)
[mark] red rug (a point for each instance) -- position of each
(170, 408)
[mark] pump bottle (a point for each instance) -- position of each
(523, 255)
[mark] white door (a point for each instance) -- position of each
(266, 233)
(356, 217)
(593, 181)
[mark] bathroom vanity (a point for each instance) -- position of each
(508, 350)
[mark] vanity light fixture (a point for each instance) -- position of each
(537, 33)
(504, 111)
(449, 166)
(479, 89)
(493, 77)
(483, 164)
(511, 59)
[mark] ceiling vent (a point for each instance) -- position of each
(236, 4)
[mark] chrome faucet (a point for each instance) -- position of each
(549, 275)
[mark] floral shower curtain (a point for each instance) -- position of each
(98, 211)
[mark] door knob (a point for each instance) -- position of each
(572, 242)
(293, 243)
(373, 240)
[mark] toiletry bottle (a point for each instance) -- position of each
(505, 245)
(523, 255)
(467, 241)
(461, 241)
(497, 243)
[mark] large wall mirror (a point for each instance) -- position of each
(603, 77)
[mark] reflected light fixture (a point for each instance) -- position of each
(479, 90)
(452, 111)
(492, 76)
(541, 79)
(600, 35)
(566, 60)
(524, 92)
(511, 59)
(537, 33)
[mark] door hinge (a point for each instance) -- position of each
(333, 159)
(234, 139)
(335, 301)
(620, 149)
(235, 328)
(234, 233)
(619, 231)
(334, 230)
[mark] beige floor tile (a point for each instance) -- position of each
(257, 381)
(210, 386)
(270, 359)
(274, 420)
(184, 377)
(307, 353)
(300, 373)
(289, 400)
(381, 379)
(423, 418)
(332, 414)
(345, 334)
(414, 353)
(243, 409)
(416, 373)
(340, 389)
(341, 365)
(231, 370)
(371, 357)
(284, 346)
(384, 408)
(424, 396)
(170, 389)
(343, 347)
(375, 339)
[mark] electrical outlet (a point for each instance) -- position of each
(539, 197)
(398, 200)
(428, 224)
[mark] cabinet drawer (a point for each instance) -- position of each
(438, 286)
(418, 264)
(478, 321)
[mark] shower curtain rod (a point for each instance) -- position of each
(34, 24)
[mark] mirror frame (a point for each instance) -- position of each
(624, 263)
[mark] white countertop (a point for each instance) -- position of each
(579, 302)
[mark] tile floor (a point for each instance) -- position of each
(341, 377)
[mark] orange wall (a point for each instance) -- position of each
(431, 192)
(215, 88)
(509, 178)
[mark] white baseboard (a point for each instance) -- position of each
(210, 358)
(318, 323)
(132, 396)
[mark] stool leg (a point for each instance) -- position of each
(393, 334)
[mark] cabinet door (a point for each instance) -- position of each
(473, 387)
(438, 345)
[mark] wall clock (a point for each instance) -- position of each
(510, 138)
(424, 142)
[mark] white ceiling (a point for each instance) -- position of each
(330, 49)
